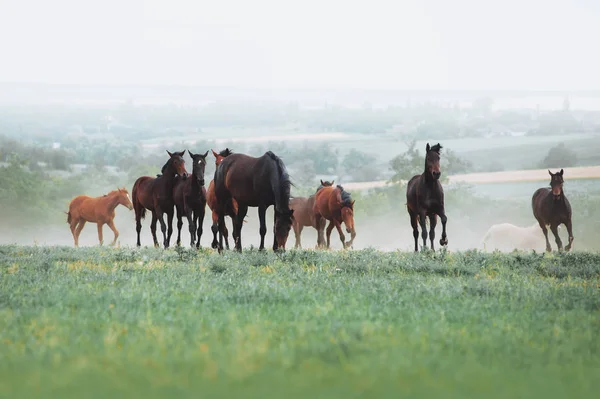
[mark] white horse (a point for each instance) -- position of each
(507, 237)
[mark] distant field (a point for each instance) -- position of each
(100, 322)
(515, 176)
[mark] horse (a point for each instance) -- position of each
(552, 208)
(336, 205)
(256, 182)
(425, 197)
(508, 237)
(189, 196)
(156, 195)
(211, 199)
(99, 210)
(303, 213)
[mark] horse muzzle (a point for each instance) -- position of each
(436, 175)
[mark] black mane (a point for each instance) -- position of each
(346, 197)
(226, 152)
(436, 148)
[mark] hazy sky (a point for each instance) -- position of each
(396, 44)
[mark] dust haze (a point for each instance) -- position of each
(91, 99)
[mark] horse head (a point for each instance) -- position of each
(221, 155)
(432, 161)
(176, 163)
(283, 225)
(124, 198)
(199, 166)
(556, 183)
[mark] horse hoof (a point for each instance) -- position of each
(443, 241)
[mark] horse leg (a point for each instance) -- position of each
(423, 229)
(78, 231)
(432, 224)
(298, 233)
(554, 228)
(239, 221)
(170, 215)
(444, 239)
(414, 224)
(329, 230)
(111, 225)
(215, 228)
(569, 225)
(153, 228)
(179, 224)
(191, 226)
(319, 225)
(545, 231)
(199, 221)
(338, 226)
(226, 232)
(73, 226)
(138, 225)
(100, 224)
(262, 212)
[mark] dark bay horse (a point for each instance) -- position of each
(156, 195)
(425, 198)
(304, 215)
(211, 199)
(257, 182)
(99, 210)
(189, 196)
(552, 208)
(336, 205)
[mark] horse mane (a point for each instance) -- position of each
(283, 188)
(226, 152)
(346, 197)
(166, 165)
(436, 148)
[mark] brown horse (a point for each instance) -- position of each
(303, 213)
(552, 208)
(156, 195)
(257, 182)
(425, 197)
(189, 196)
(212, 202)
(336, 205)
(99, 210)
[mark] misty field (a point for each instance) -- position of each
(101, 322)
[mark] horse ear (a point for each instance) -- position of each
(322, 182)
(191, 154)
(427, 148)
(333, 181)
(561, 172)
(205, 154)
(214, 153)
(550, 173)
(353, 201)
(181, 153)
(169, 153)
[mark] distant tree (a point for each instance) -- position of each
(360, 165)
(412, 162)
(559, 156)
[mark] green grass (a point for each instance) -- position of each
(100, 322)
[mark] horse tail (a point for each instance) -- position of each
(135, 201)
(68, 217)
(281, 184)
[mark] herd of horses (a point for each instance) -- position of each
(242, 181)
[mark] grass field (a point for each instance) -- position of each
(100, 322)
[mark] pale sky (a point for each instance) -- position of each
(371, 44)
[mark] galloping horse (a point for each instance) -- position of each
(156, 195)
(551, 207)
(257, 182)
(190, 199)
(303, 213)
(336, 205)
(211, 199)
(99, 210)
(425, 197)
